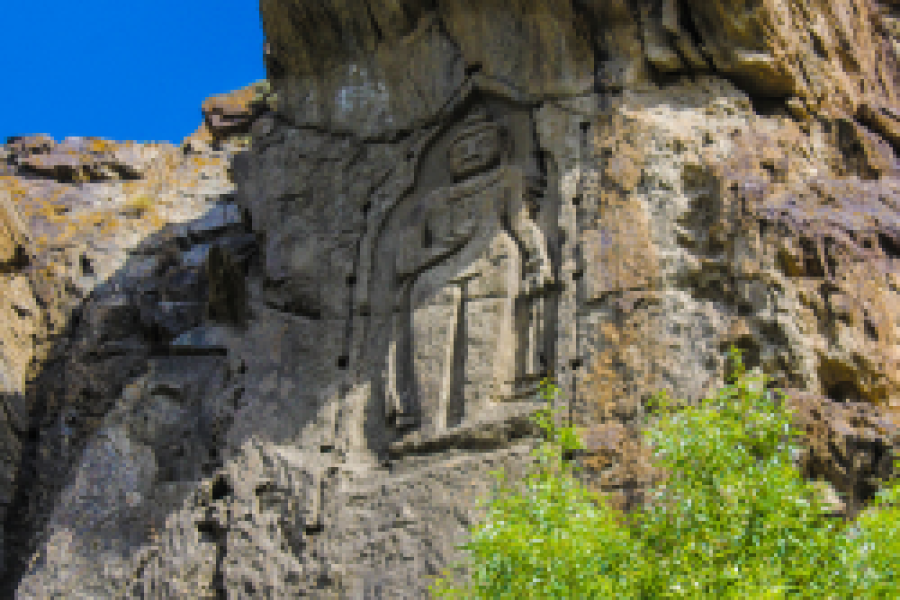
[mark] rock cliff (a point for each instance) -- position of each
(282, 359)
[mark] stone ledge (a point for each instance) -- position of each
(482, 434)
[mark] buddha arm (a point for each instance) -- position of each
(538, 271)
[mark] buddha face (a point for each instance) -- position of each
(475, 149)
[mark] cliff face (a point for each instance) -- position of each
(298, 383)
(821, 58)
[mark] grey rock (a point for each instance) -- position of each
(227, 300)
(183, 284)
(196, 256)
(201, 340)
(175, 318)
(221, 217)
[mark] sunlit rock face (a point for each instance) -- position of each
(301, 384)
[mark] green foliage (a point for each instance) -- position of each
(874, 546)
(732, 519)
(554, 541)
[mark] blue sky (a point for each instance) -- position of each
(122, 70)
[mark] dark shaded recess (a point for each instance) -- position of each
(379, 35)
(86, 267)
(851, 148)
(211, 532)
(770, 170)
(215, 460)
(714, 282)
(665, 79)
(839, 381)
(274, 68)
(226, 293)
(220, 489)
(831, 249)
(785, 264)
(157, 337)
(843, 391)
(302, 307)
(871, 330)
(889, 245)
(812, 263)
(686, 22)
(863, 491)
(704, 213)
(126, 173)
(314, 528)
(767, 106)
(772, 333)
(456, 405)
(19, 261)
(818, 47)
(750, 354)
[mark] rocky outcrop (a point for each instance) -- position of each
(89, 298)
(817, 58)
(298, 385)
(79, 159)
(227, 118)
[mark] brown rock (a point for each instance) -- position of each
(14, 236)
(851, 445)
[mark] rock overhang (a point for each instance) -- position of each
(354, 66)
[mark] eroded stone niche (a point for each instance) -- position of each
(460, 301)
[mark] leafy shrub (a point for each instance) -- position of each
(733, 518)
(874, 545)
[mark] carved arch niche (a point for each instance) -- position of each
(462, 275)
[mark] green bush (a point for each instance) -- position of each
(732, 519)
(874, 546)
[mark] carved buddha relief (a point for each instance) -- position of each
(469, 268)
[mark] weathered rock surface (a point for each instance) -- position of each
(88, 297)
(79, 159)
(227, 118)
(850, 445)
(298, 385)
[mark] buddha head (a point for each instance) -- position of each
(476, 146)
